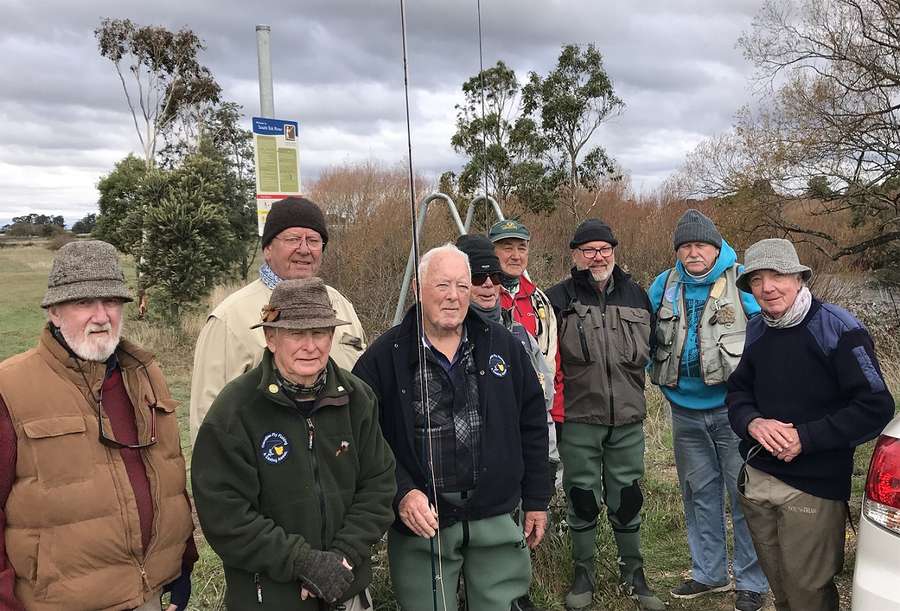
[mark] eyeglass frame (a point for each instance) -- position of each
(603, 251)
(295, 242)
(98, 400)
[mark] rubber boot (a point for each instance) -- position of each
(584, 546)
(631, 569)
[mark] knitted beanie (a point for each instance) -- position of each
(591, 230)
(294, 212)
(480, 250)
(694, 226)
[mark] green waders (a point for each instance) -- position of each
(491, 553)
(603, 465)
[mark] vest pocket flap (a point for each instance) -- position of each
(54, 427)
(635, 315)
(732, 344)
(167, 405)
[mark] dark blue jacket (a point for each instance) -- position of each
(514, 442)
(822, 376)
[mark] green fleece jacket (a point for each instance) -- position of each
(270, 484)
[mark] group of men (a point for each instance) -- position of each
(448, 431)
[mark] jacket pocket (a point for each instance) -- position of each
(635, 334)
(60, 449)
(731, 348)
(573, 339)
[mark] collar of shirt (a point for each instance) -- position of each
(442, 360)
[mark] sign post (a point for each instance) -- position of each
(276, 155)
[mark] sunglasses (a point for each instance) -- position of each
(479, 279)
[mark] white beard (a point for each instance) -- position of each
(90, 347)
(601, 276)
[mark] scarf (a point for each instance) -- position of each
(268, 277)
(795, 314)
(492, 314)
(299, 393)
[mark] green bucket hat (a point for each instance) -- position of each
(300, 304)
(85, 269)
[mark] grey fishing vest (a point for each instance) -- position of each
(723, 324)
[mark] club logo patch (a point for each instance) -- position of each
(274, 448)
(671, 293)
(498, 365)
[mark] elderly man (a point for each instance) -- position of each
(470, 449)
(293, 241)
(291, 475)
(604, 331)
(701, 317)
(485, 299)
(807, 391)
(95, 514)
(520, 299)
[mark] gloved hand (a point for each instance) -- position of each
(325, 575)
(181, 591)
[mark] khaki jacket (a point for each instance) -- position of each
(73, 532)
(228, 347)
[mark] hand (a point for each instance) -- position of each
(535, 527)
(180, 589)
(774, 435)
(793, 449)
(417, 514)
(325, 575)
(304, 593)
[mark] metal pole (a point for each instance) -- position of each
(264, 59)
(410, 263)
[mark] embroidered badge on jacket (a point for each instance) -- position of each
(498, 365)
(274, 448)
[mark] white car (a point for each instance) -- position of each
(876, 580)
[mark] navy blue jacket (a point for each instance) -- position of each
(822, 376)
(514, 442)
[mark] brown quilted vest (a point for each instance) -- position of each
(72, 530)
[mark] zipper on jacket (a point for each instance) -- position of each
(311, 430)
(144, 579)
(612, 409)
(586, 353)
(259, 596)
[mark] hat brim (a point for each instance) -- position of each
(511, 234)
(88, 289)
(743, 280)
(303, 324)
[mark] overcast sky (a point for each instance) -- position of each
(337, 69)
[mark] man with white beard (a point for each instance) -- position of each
(92, 478)
(604, 324)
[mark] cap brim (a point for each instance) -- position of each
(513, 234)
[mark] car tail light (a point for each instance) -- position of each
(882, 503)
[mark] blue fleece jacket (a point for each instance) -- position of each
(691, 392)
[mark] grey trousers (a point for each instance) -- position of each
(799, 539)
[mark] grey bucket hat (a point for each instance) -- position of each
(300, 304)
(775, 254)
(85, 269)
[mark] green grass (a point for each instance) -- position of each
(23, 278)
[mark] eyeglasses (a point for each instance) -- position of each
(109, 440)
(590, 253)
(479, 279)
(294, 242)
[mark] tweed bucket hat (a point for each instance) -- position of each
(85, 269)
(299, 304)
(775, 254)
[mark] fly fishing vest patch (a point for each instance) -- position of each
(721, 331)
